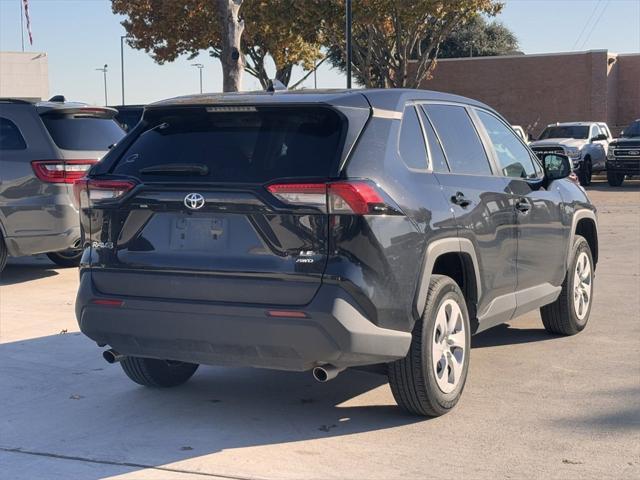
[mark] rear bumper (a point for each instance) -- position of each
(335, 332)
(35, 244)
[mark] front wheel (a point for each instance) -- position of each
(586, 171)
(66, 258)
(151, 372)
(570, 312)
(615, 179)
(430, 379)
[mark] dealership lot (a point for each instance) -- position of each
(535, 406)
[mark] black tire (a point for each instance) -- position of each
(3, 253)
(151, 372)
(66, 258)
(615, 179)
(412, 379)
(586, 172)
(561, 317)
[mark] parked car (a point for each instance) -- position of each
(44, 147)
(585, 143)
(520, 131)
(128, 116)
(623, 157)
(326, 230)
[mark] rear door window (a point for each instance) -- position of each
(74, 132)
(10, 136)
(250, 145)
(462, 146)
(438, 160)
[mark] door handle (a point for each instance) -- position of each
(460, 199)
(523, 205)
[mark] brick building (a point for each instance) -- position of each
(535, 90)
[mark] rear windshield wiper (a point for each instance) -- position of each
(176, 169)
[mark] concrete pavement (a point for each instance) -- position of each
(535, 406)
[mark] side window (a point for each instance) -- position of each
(513, 157)
(412, 148)
(10, 136)
(438, 161)
(459, 138)
(595, 130)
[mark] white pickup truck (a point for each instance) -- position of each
(585, 143)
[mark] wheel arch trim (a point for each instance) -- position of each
(435, 250)
(578, 215)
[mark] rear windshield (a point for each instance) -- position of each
(254, 145)
(571, 131)
(71, 132)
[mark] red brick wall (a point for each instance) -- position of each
(535, 90)
(628, 108)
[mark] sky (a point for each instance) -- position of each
(82, 35)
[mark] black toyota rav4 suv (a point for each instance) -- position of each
(323, 230)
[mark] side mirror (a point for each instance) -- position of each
(556, 166)
(599, 137)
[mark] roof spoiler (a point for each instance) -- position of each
(81, 111)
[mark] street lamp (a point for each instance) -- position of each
(122, 37)
(348, 40)
(104, 73)
(199, 66)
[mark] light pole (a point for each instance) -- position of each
(199, 66)
(122, 37)
(104, 73)
(348, 40)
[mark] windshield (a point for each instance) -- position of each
(567, 131)
(252, 146)
(632, 130)
(71, 132)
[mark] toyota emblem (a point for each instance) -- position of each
(194, 201)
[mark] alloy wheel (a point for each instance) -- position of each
(448, 346)
(582, 286)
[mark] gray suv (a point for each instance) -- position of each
(44, 148)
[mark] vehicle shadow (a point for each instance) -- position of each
(506, 334)
(60, 398)
(603, 186)
(19, 273)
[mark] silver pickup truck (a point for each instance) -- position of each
(585, 143)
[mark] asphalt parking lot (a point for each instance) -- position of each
(535, 406)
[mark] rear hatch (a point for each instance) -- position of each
(82, 135)
(220, 204)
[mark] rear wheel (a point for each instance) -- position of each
(615, 179)
(586, 171)
(430, 379)
(151, 372)
(3, 253)
(569, 314)
(66, 258)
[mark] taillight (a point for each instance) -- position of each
(87, 191)
(61, 171)
(359, 197)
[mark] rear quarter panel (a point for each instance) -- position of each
(379, 258)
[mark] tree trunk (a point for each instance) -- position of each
(231, 55)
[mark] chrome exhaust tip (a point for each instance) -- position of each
(111, 356)
(325, 373)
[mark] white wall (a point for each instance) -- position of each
(24, 75)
